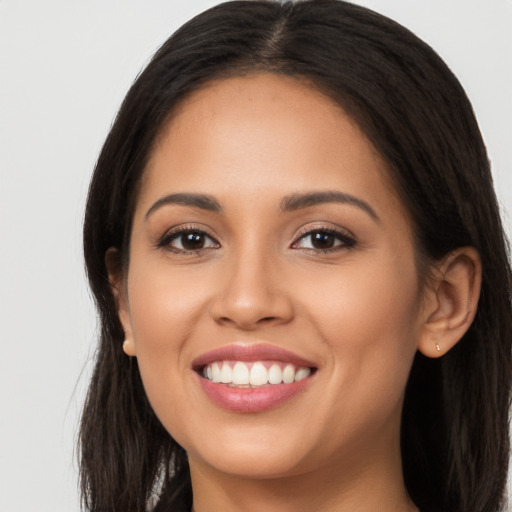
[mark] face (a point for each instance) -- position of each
(272, 298)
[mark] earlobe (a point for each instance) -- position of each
(115, 277)
(451, 302)
(129, 347)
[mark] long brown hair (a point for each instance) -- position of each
(455, 441)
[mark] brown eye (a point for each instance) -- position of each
(192, 241)
(184, 241)
(324, 240)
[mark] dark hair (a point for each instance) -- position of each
(455, 441)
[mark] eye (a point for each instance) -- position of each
(187, 240)
(324, 240)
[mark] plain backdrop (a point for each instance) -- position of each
(64, 69)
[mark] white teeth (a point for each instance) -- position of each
(289, 374)
(215, 372)
(240, 374)
(258, 375)
(302, 373)
(226, 374)
(254, 374)
(275, 375)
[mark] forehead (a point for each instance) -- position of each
(262, 133)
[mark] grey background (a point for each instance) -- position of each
(64, 68)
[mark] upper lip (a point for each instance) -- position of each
(250, 353)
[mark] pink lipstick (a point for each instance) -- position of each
(252, 378)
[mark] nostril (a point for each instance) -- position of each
(248, 311)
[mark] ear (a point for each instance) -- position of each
(118, 286)
(451, 301)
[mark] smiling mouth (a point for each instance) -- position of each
(254, 374)
(252, 378)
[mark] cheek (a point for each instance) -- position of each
(164, 298)
(368, 317)
(165, 307)
(371, 305)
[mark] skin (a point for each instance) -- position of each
(357, 311)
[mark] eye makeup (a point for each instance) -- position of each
(191, 240)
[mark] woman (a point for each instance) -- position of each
(302, 278)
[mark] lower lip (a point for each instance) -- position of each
(251, 399)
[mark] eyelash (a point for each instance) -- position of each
(347, 241)
(165, 241)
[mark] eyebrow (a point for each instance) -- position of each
(202, 201)
(299, 201)
(290, 203)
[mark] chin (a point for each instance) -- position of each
(250, 448)
(253, 462)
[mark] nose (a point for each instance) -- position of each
(253, 293)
